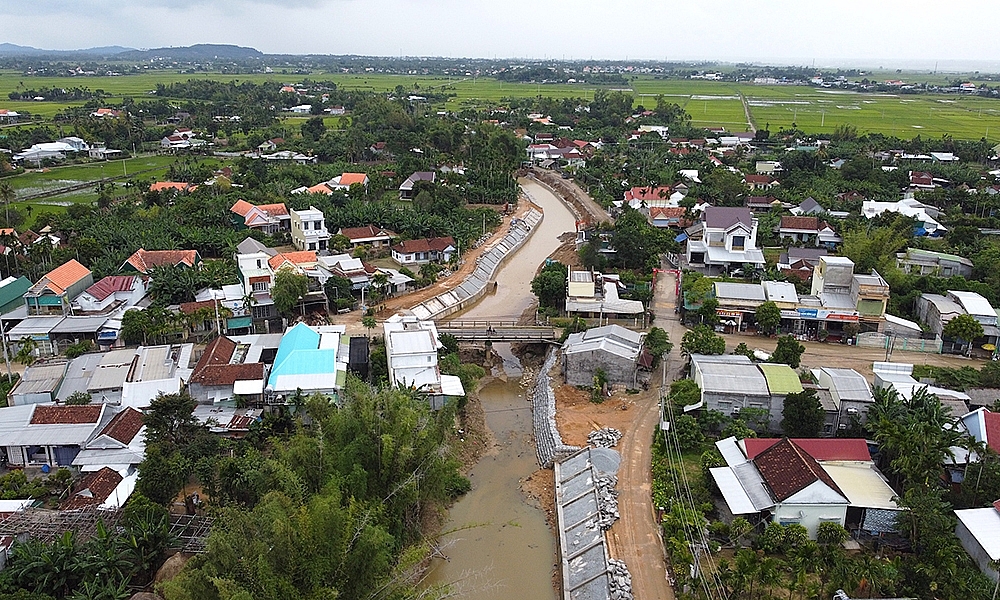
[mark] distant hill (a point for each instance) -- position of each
(196, 52)
(15, 50)
(205, 52)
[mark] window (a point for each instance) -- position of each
(260, 286)
(739, 241)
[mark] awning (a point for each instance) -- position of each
(248, 387)
(736, 497)
(239, 322)
(681, 237)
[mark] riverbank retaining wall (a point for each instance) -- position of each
(548, 443)
(476, 284)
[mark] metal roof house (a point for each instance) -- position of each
(978, 530)
(731, 382)
(411, 348)
(310, 359)
(42, 434)
(611, 348)
(806, 482)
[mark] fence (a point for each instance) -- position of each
(880, 340)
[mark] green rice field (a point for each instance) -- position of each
(709, 103)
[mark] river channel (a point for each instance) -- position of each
(499, 546)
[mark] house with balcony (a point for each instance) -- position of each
(309, 229)
(268, 218)
(811, 231)
(111, 292)
(411, 351)
(52, 294)
(726, 239)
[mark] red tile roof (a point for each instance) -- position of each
(818, 448)
(761, 179)
(181, 186)
(229, 374)
(111, 284)
(144, 260)
(218, 352)
(368, 231)
(189, 308)
(352, 178)
(648, 193)
(93, 489)
(787, 469)
(242, 207)
(296, 258)
(124, 426)
(437, 244)
(66, 415)
(65, 275)
(806, 223)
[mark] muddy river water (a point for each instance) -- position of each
(499, 546)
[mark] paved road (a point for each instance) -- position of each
(635, 538)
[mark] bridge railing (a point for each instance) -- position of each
(477, 324)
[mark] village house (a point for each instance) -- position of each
(267, 218)
(726, 238)
(760, 182)
(12, 290)
(420, 252)
(309, 360)
(111, 292)
(309, 230)
(978, 530)
(406, 191)
(52, 294)
(143, 261)
(594, 295)
(221, 375)
(808, 230)
(611, 348)
(917, 261)
(369, 235)
(411, 348)
(806, 482)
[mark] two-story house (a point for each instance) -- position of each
(52, 294)
(808, 230)
(268, 218)
(728, 240)
(309, 229)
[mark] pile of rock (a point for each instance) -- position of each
(620, 580)
(607, 501)
(548, 442)
(606, 437)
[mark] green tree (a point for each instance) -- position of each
(79, 397)
(550, 285)
(688, 431)
(802, 416)
(369, 323)
(768, 317)
(313, 129)
(964, 328)
(788, 351)
(658, 343)
(831, 534)
(288, 291)
(684, 392)
(169, 419)
(708, 312)
(702, 340)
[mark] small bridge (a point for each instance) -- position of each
(496, 331)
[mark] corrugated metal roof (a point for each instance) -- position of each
(849, 384)
(862, 484)
(973, 303)
(730, 451)
(33, 326)
(736, 497)
(740, 291)
(80, 324)
(984, 524)
(753, 484)
(733, 379)
(781, 379)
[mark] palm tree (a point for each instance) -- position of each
(7, 195)
(26, 353)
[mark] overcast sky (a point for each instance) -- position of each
(869, 32)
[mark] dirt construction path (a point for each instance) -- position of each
(635, 538)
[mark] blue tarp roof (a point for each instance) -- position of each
(681, 237)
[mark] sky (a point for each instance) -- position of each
(868, 33)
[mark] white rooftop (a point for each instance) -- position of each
(984, 524)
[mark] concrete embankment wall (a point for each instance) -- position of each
(477, 283)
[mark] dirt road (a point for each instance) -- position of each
(842, 356)
(635, 538)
